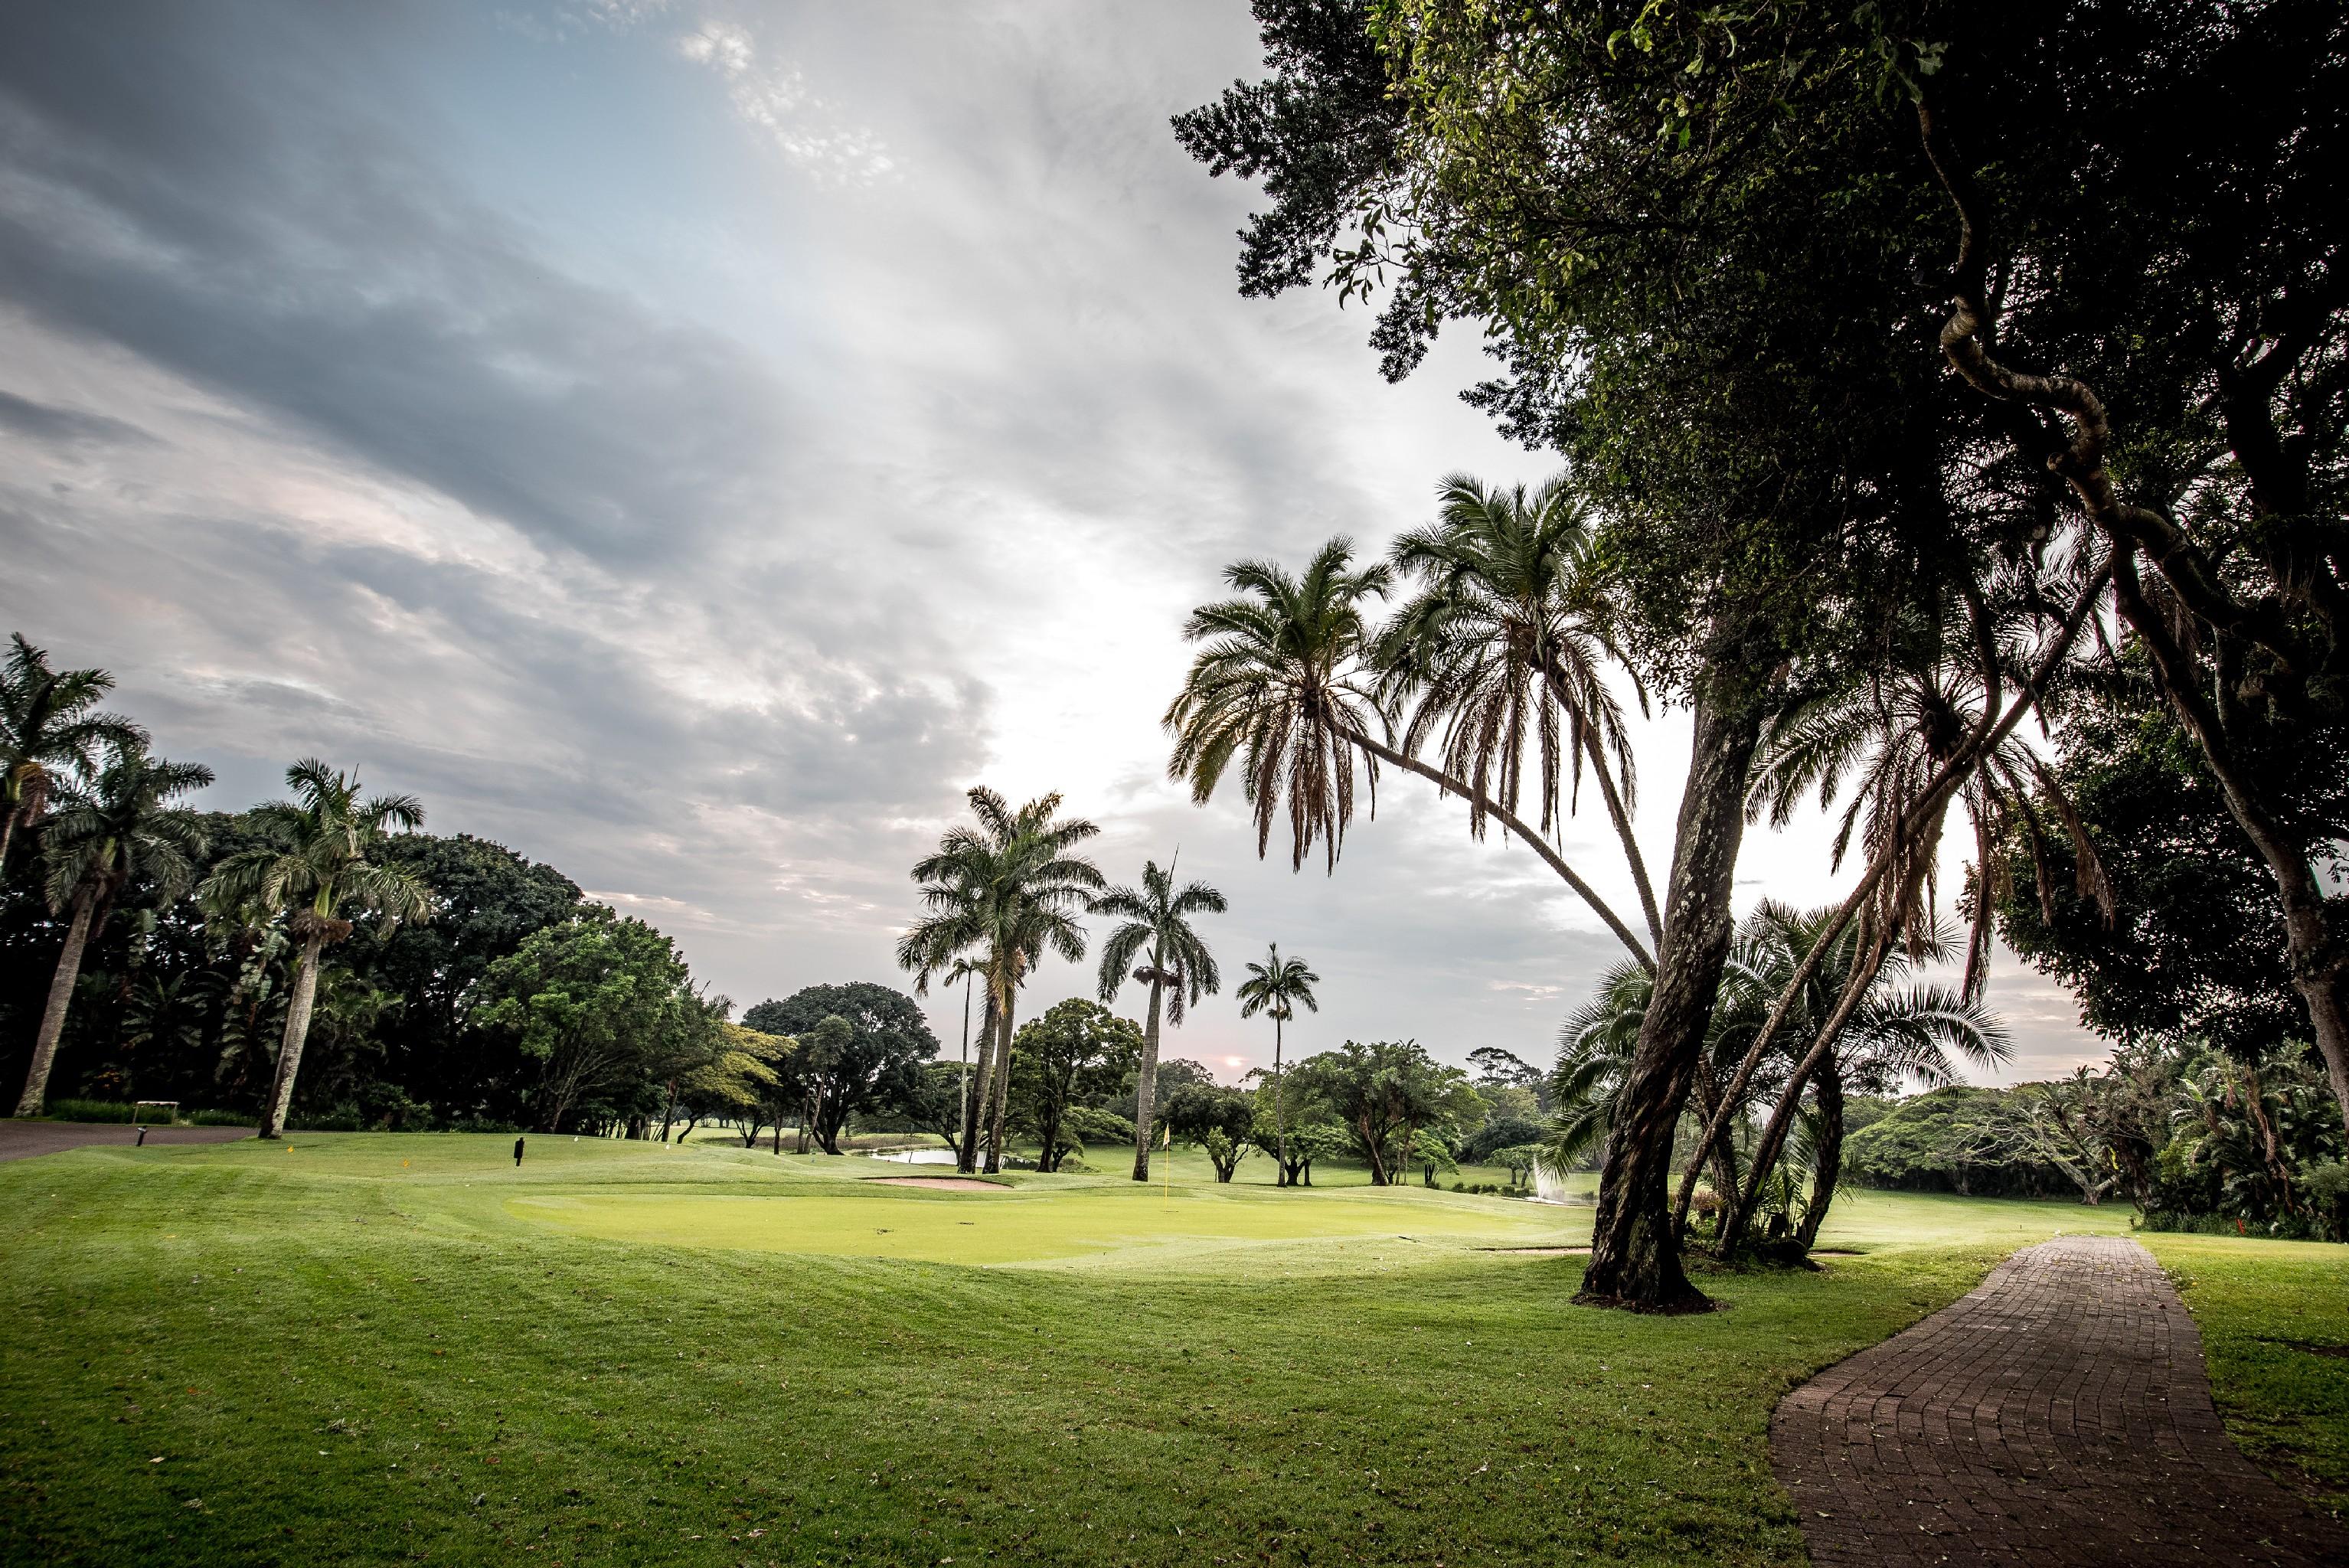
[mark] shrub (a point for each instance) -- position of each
(219, 1117)
(90, 1110)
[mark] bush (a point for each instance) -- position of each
(90, 1110)
(219, 1119)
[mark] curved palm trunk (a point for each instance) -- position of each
(1145, 1083)
(1518, 825)
(297, 1032)
(1617, 813)
(1635, 1258)
(53, 1017)
(1002, 1088)
(1828, 1089)
(8, 813)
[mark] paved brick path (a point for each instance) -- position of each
(23, 1140)
(2059, 1415)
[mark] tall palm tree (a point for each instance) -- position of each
(121, 826)
(1503, 646)
(1285, 687)
(1179, 971)
(1004, 890)
(50, 731)
(1278, 986)
(313, 860)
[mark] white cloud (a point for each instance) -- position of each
(774, 99)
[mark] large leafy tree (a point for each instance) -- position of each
(2194, 950)
(2179, 364)
(1385, 1092)
(487, 901)
(1004, 890)
(1213, 1118)
(318, 861)
(1154, 923)
(51, 732)
(123, 826)
(1278, 986)
(873, 1063)
(603, 1008)
(1736, 386)
(1076, 1053)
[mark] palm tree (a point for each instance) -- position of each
(1285, 687)
(1157, 917)
(313, 859)
(1857, 1027)
(1003, 891)
(1897, 1035)
(1502, 642)
(50, 731)
(1279, 986)
(1932, 699)
(123, 825)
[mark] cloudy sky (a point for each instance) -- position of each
(691, 442)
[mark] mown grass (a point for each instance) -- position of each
(368, 1348)
(2274, 1318)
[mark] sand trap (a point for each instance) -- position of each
(943, 1183)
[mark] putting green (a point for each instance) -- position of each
(1025, 1226)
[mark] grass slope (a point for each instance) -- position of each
(378, 1349)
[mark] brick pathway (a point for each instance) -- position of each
(24, 1139)
(2059, 1415)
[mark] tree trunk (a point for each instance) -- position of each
(2319, 955)
(975, 1107)
(1279, 1112)
(7, 836)
(297, 1033)
(53, 1017)
(1827, 1087)
(1634, 1259)
(1145, 1082)
(1000, 1092)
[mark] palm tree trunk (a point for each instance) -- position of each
(297, 1032)
(1002, 1086)
(1828, 1088)
(1279, 1112)
(1145, 1082)
(1634, 1257)
(8, 834)
(1515, 824)
(967, 1154)
(1619, 815)
(53, 1017)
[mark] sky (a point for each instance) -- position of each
(692, 443)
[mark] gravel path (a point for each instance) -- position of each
(2059, 1415)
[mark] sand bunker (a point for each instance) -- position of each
(943, 1183)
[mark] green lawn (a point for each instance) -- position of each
(368, 1347)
